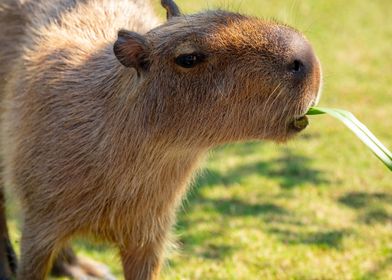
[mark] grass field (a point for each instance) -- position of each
(317, 208)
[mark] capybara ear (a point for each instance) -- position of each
(171, 8)
(131, 50)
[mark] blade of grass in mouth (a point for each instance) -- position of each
(359, 129)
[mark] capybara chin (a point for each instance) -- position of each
(106, 114)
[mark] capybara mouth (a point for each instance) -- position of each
(299, 124)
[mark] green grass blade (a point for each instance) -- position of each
(367, 132)
(349, 117)
(315, 111)
(360, 130)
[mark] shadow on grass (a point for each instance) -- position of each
(235, 207)
(202, 243)
(323, 239)
(290, 170)
(295, 170)
(371, 207)
(359, 200)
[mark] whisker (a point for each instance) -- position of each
(270, 106)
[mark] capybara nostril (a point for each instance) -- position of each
(302, 59)
(297, 66)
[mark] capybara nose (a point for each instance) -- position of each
(297, 67)
(302, 60)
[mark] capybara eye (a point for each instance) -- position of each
(189, 60)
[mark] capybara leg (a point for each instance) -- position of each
(7, 254)
(79, 268)
(37, 249)
(141, 263)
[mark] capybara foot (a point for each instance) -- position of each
(79, 268)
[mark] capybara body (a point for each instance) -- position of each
(102, 130)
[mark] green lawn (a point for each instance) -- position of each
(317, 208)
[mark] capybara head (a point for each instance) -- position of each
(218, 77)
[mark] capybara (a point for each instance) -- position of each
(106, 113)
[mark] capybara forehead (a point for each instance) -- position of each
(219, 31)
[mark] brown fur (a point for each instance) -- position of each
(96, 148)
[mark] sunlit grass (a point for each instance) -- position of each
(317, 208)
